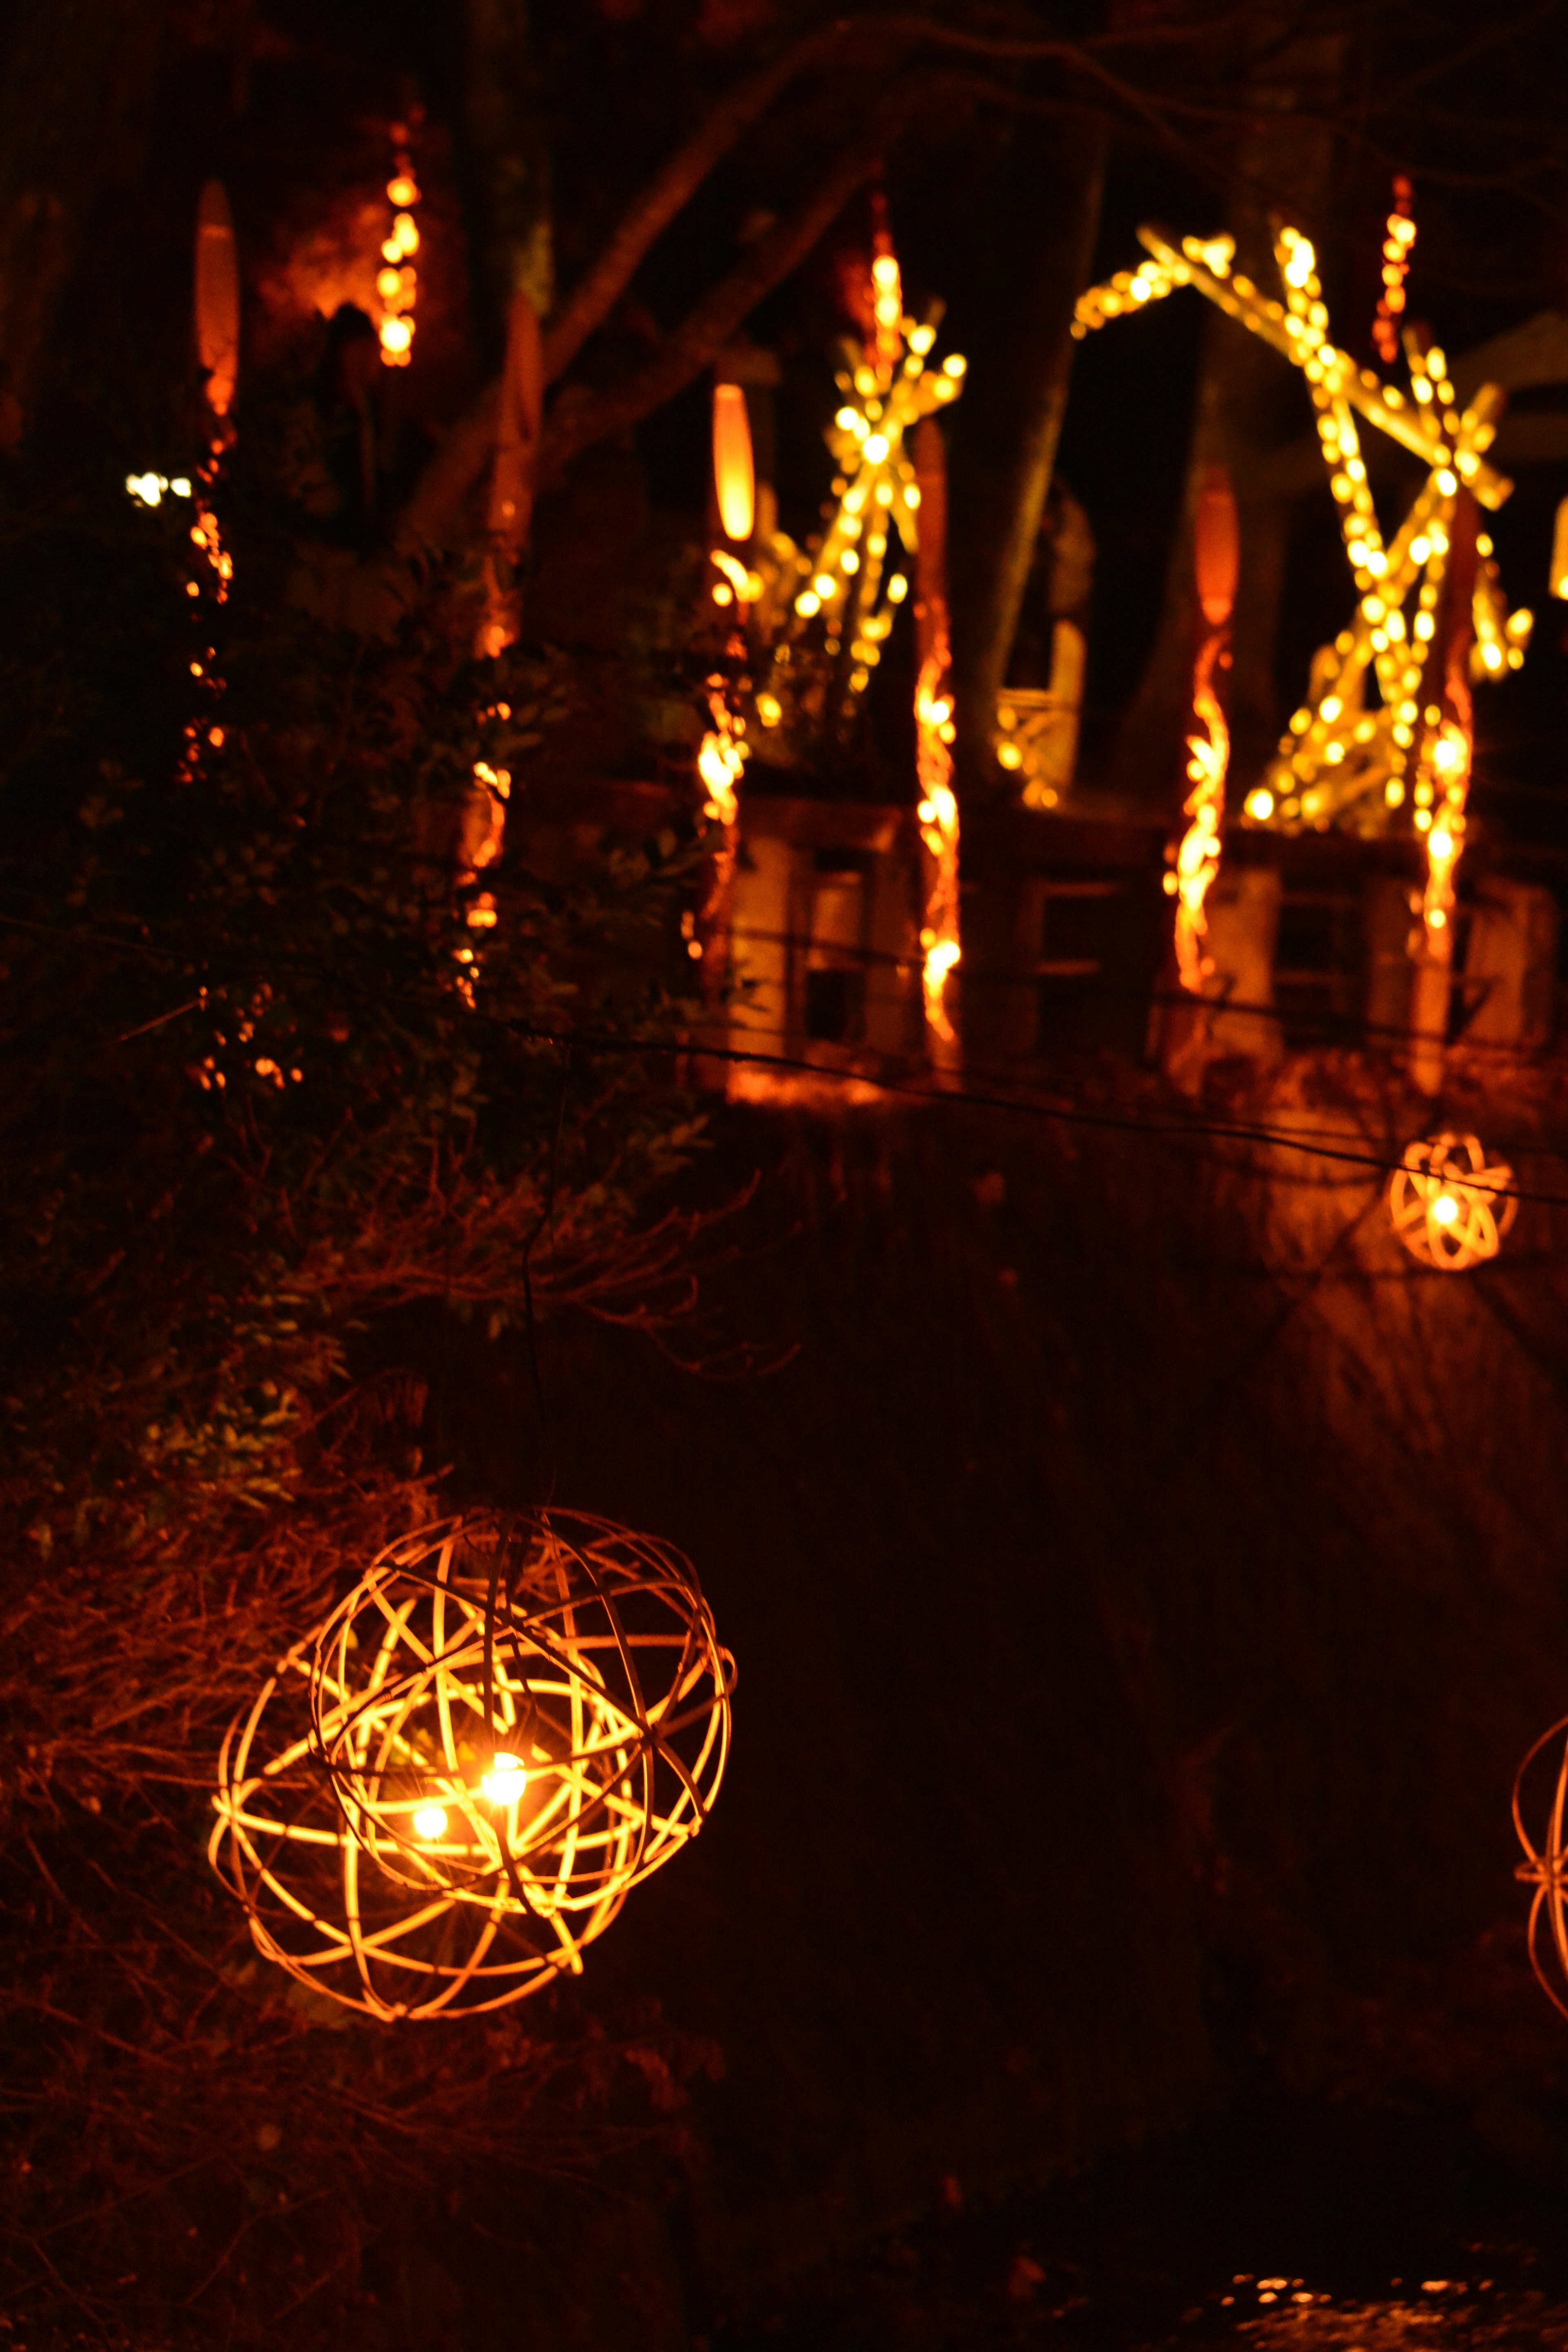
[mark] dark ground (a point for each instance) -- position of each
(1145, 1583)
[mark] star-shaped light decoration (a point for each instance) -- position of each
(808, 605)
(1347, 761)
(802, 610)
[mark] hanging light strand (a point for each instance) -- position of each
(397, 282)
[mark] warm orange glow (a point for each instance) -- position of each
(938, 816)
(1350, 752)
(1197, 857)
(720, 763)
(397, 286)
(1398, 241)
(1446, 769)
(217, 298)
(1217, 547)
(507, 1779)
(370, 1865)
(734, 477)
(1450, 1206)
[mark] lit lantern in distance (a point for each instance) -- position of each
(734, 476)
(1450, 1206)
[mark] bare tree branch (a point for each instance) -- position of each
(576, 421)
(595, 296)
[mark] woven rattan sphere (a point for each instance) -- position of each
(1449, 1205)
(1547, 1867)
(440, 1797)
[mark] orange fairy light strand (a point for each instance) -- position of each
(938, 816)
(397, 283)
(1217, 556)
(1399, 239)
(1197, 859)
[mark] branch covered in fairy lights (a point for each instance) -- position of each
(1345, 761)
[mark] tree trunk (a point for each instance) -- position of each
(73, 75)
(1054, 215)
(1246, 409)
(511, 161)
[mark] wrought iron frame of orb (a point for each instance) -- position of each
(1547, 1870)
(1448, 1206)
(368, 1818)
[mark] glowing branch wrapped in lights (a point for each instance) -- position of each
(1449, 1204)
(938, 815)
(1217, 557)
(1197, 857)
(443, 1794)
(1349, 760)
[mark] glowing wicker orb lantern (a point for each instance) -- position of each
(1449, 1205)
(1547, 1870)
(440, 1797)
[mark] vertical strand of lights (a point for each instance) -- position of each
(1399, 238)
(723, 754)
(937, 811)
(397, 282)
(1217, 556)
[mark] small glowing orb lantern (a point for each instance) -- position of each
(734, 477)
(447, 1791)
(1450, 1207)
(1546, 1869)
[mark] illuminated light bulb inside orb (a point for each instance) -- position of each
(430, 1821)
(402, 192)
(396, 334)
(808, 604)
(955, 365)
(1441, 842)
(898, 589)
(505, 1781)
(823, 584)
(876, 447)
(770, 710)
(1445, 1209)
(389, 284)
(1260, 805)
(404, 234)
